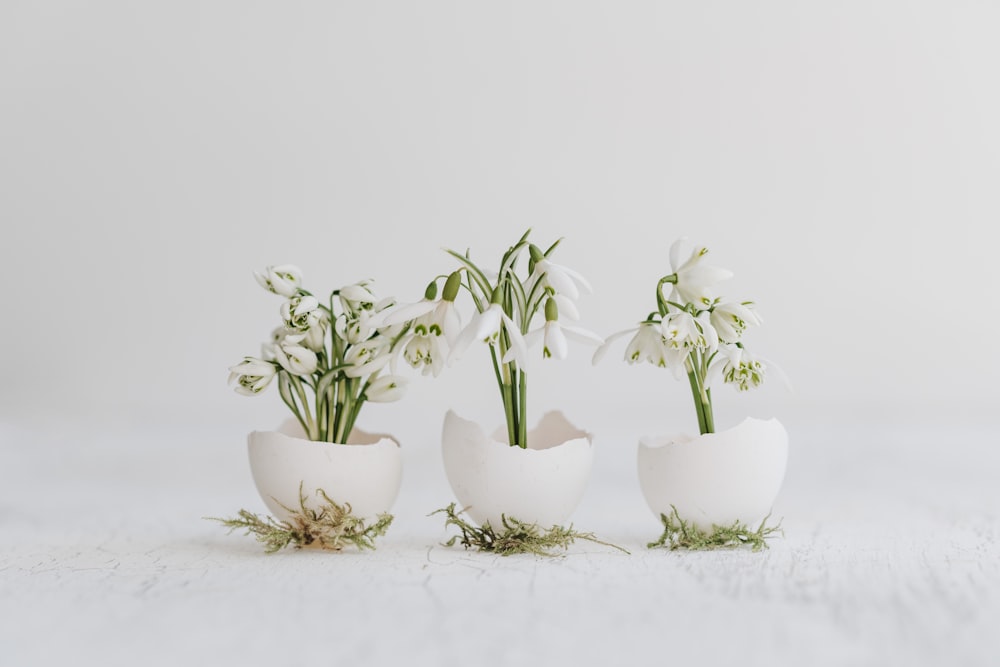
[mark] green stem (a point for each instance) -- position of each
(702, 399)
(356, 410)
(661, 303)
(523, 419)
(698, 406)
(311, 425)
(291, 403)
(331, 409)
(709, 416)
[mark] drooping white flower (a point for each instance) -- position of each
(299, 312)
(732, 319)
(315, 335)
(386, 389)
(295, 358)
(554, 334)
(427, 353)
(430, 337)
(486, 326)
(738, 367)
(694, 276)
(683, 331)
(562, 279)
(367, 357)
(429, 317)
(357, 327)
(252, 375)
(285, 279)
(356, 297)
(647, 344)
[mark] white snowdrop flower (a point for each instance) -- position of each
(562, 279)
(647, 344)
(358, 327)
(428, 318)
(295, 358)
(356, 297)
(386, 389)
(740, 368)
(683, 331)
(315, 334)
(694, 277)
(486, 326)
(367, 357)
(732, 319)
(426, 353)
(252, 375)
(554, 334)
(297, 312)
(285, 279)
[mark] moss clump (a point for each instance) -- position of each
(331, 527)
(679, 534)
(516, 537)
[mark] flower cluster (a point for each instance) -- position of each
(695, 333)
(506, 306)
(336, 351)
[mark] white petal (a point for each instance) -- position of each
(561, 282)
(451, 322)
(555, 341)
(580, 280)
(675, 253)
(703, 275)
(404, 313)
(518, 349)
(481, 326)
(532, 337)
(777, 370)
(567, 308)
(582, 335)
(386, 389)
(714, 371)
(603, 349)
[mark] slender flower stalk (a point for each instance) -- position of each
(329, 358)
(695, 334)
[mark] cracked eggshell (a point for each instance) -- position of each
(366, 472)
(715, 478)
(542, 484)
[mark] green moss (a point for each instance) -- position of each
(679, 534)
(331, 527)
(515, 537)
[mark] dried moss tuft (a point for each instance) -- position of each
(331, 527)
(515, 537)
(679, 534)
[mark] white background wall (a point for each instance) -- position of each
(843, 158)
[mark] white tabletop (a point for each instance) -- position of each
(890, 556)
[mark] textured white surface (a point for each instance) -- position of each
(891, 556)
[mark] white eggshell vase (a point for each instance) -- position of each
(541, 484)
(365, 472)
(715, 478)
